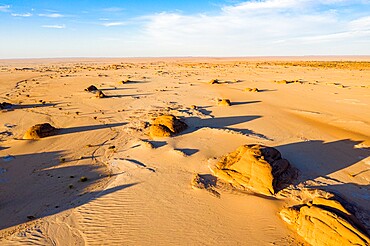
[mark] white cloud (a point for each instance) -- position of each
(4, 8)
(53, 15)
(54, 26)
(270, 27)
(110, 24)
(22, 15)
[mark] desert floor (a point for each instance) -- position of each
(138, 189)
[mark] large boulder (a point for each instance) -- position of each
(166, 126)
(40, 131)
(325, 221)
(255, 167)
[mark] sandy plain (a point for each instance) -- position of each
(138, 189)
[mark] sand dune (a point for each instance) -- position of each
(103, 179)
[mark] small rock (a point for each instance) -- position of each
(40, 131)
(91, 88)
(100, 94)
(223, 102)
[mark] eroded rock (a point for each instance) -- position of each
(325, 221)
(40, 131)
(166, 126)
(255, 167)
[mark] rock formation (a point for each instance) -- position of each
(255, 167)
(40, 131)
(325, 221)
(166, 126)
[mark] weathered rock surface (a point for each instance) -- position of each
(166, 126)
(40, 131)
(255, 167)
(325, 221)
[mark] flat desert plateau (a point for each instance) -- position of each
(102, 177)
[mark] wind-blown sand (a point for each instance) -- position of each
(138, 189)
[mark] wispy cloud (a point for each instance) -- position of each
(53, 15)
(110, 24)
(263, 27)
(4, 8)
(22, 15)
(54, 26)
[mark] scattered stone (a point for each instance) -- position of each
(166, 126)
(100, 94)
(91, 88)
(40, 131)
(214, 81)
(251, 89)
(255, 167)
(5, 105)
(223, 102)
(325, 221)
(83, 179)
(193, 107)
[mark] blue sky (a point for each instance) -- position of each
(133, 28)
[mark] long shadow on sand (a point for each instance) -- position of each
(87, 128)
(318, 159)
(39, 185)
(225, 123)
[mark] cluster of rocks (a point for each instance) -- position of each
(322, 218)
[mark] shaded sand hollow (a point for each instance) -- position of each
(103, 179)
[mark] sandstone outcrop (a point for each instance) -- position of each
(325, 221)
(166, 126)
(255, 167)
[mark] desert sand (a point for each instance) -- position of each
(105, 176)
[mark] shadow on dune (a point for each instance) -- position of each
(317, 158)
(243, 103)
(63, 131)
(39, 185)
(225, 123)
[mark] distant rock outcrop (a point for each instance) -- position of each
(40, 131)
(325, 221)
(255, 167)
(166, 126)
